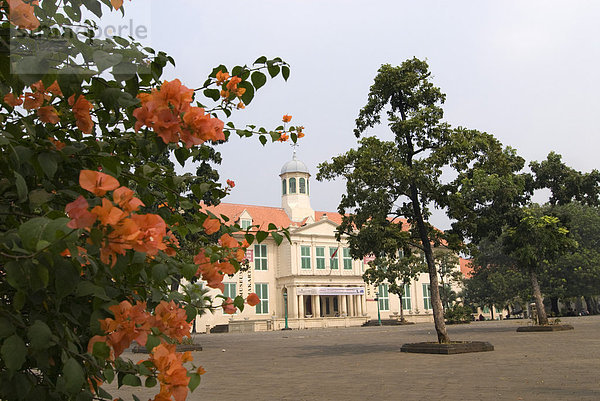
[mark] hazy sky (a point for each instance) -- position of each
(525, 71)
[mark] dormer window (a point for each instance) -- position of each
(292, 185)
(245, 223)
(284, 186)
(302, 185)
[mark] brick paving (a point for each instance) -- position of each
(366, 364)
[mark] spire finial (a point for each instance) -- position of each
(295, 148)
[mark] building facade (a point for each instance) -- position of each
(312, 278)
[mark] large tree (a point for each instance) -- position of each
(390, 180)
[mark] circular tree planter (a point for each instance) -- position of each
(454, 347)
(549, 327)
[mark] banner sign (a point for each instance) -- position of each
(330, 291)
(368, 258)
(250, 255)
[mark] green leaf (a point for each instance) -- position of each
(86, 288)
(261, 235)
(285, 72)
(39, 335)
(101, 350)
(262, 139)
(48, 163)
(73, 374)
(131, 380)
(21, 187)
(109, 375)
(272, 226)
(194, 381)
(261, 60)
(249, 94)
(160, 272)
(31, 230)
(13, 352)
(258, 79)
(182, 154)
(39, 197)
(106, 60)
(150, 382)
(151, 342)
(213, 94)
(238, 302)
(6, 328)
(249, 238)
(277, 237)
(273, 70)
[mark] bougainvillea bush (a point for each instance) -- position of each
(101, 242)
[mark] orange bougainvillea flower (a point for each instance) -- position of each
(54, 89)
(11, 100)
(34, 100)
(170, 319)
(96, 182)
(123, 196)
(211, 225)
(81, 110)
(287, 119)
(233, 83)
(153, 230)
(116, 4)
(172, 375)
(228, 241)
(240, 106)
(57, 144)
(108, 214)
(80, 216)
(231, 183)
(222, 77)
(253, 299)
(48, 114)
(283, 137)
(228, 306)
(208, 271)
(22, 14)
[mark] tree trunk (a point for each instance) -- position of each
(492, 311)
(591, 305)
(401, 307)
(436, 301)
(554, 306)
(537, 295)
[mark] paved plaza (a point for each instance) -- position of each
(365, 363)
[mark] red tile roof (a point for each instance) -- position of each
(466, 267)
(263, 215)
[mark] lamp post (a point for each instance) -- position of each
(378, 313)
(285, 307)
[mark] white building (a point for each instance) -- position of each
(322, 283)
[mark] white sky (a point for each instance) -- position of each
(525, 71)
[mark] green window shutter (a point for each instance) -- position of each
(347, 259)
(320, 257)
(333, 259)
(305, 257)
(260, 257)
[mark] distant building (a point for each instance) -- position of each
(322, 283)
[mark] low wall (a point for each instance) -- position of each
(247, 326)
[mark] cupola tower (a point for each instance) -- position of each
(295, 190)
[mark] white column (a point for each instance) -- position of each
(361, 303)
(351, 309)
(301, 306)
(317, 306)
(292, 302)
(344, 305)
